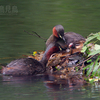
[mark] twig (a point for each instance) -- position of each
(35, 35)
(28, 32)
(39, 35)
(84, 61)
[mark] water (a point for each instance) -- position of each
(36, 88)
(82, 17)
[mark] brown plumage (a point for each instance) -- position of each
(30, 66)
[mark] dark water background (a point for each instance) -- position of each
(82, 17)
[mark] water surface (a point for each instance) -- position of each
(41, 16)
(25, 88)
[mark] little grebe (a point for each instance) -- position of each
(66, 40)
(30, 66)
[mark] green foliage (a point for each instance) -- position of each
(92, 51)
(57, 68)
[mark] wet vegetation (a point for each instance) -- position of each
(91, 50)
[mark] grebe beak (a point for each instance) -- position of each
(62, 37)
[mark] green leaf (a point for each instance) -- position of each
(89, 60)
(98, 35)
(96, 46)
(90, 68)
(98, 72)
(85, 68)
(96, 66)
(84, 49)
(90, 38)
(94, 52)
(88, 51)
(57, 68)
(95, 69)
(98, 38)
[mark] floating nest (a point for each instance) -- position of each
(63, 65)
(66, 68)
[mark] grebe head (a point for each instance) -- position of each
(71, 45)
(58, 31)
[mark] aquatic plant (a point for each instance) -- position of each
(91, 50)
